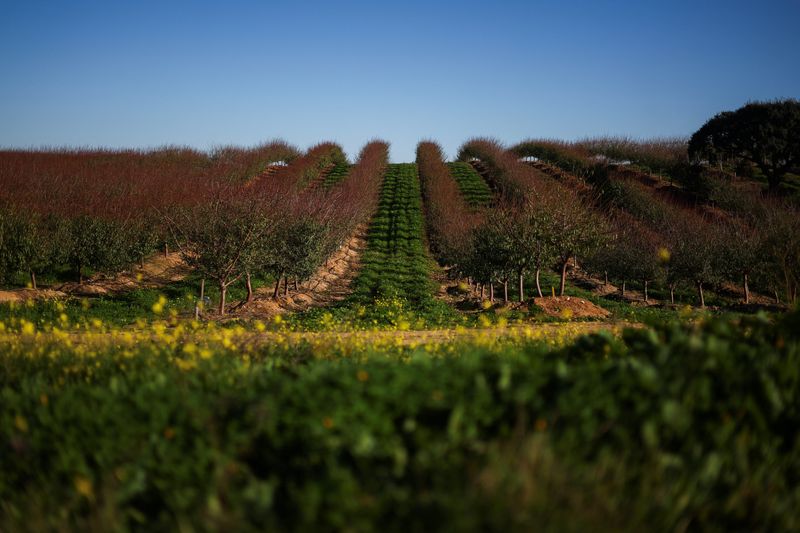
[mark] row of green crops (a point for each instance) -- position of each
(692, 425)
(472, 185)
(396, 264)
(337, 174)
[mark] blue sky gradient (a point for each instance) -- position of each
(204, 74)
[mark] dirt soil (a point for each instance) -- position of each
(331, 283)
(21, 295)
(467, 299)
(600, 288)
(158, 270)
(570, 307)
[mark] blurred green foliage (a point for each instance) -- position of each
(685, 425)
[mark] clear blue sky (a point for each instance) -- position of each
(146, 73)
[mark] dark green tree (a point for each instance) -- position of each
(94, 243)
(695, 250)
(490, 255)
(575, 230)
(631, 253)
(766, 134)
(218, 237)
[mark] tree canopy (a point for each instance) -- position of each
(766, 134)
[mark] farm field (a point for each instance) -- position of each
(526, 338)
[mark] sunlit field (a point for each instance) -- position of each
(599, 335)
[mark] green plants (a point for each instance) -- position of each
(651, 428)
(218, 238)
(475, 190)
(762, 133)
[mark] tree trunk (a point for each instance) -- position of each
(491, 291)
(286, 285)
(606, 277)
(623, 289)
(538, 285)
(166, 250)
(223, 291)
(33, 280)
(277, 287)
(295, 284)
(505, 290)
(746, 290)
(788, 288)
(700, 294)
(249, 287)
(672, 294)
(482, 286)
(774, 180)
(80, 274)
(563, 277)
(645, 291)
(777, 297)
(521, 286)
(200, 301)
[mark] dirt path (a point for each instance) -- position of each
(21, 295)
(157, 271)
(331, 283)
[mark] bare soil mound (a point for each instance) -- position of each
(157, 271)
(21, 295)
(331, 283)
(570, 307)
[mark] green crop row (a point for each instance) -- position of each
(472, 185)
(395, 263)
(337, 174)
(681, 424)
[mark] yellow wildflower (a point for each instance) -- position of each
(158, 307)
(84, 486)
(21, 424)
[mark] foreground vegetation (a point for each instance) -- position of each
(122, 413)
(684, 425)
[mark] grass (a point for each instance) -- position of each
(336, 175)
(472, 185)
(394, 287)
